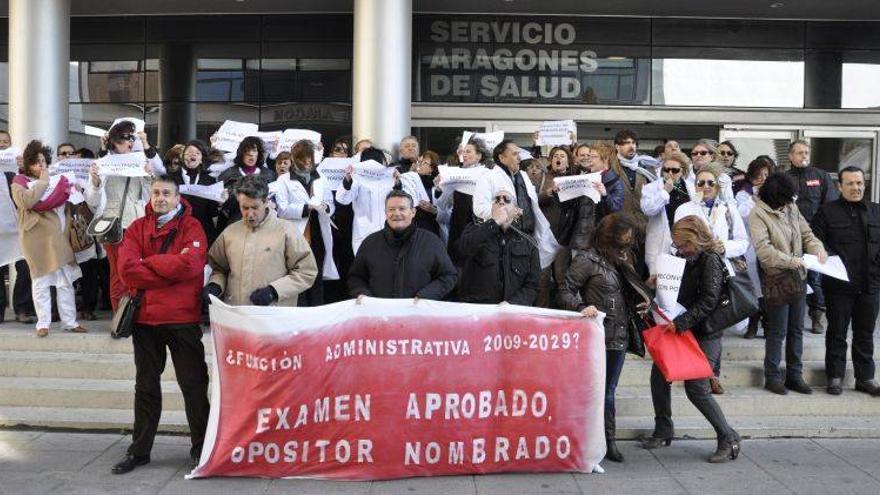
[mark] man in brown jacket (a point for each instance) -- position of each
(260, 259)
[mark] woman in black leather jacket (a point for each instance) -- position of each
(700, 292)
(598, 280)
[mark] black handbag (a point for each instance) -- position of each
(736, 302)
(638, 323)
(107, 229)
(122, 325)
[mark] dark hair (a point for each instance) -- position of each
(4, 131)
(433, 161)
(301, 151)
(731, 146)
(65, 144)
(624, 134)
(758, 164)
(343, 142)
(253, 186)
(568, 156)
(396, 193)
(31, 155)
(120, 129)
(203, 149)
(480, 147)
(778, 190)
(606, 237)
(849, 170)
(500, 148)
(166, 179)
(247, 144)
(659, 150)
(372, 153)
(85, 153)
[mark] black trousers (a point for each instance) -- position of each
(861, 310)
(697, 391)
(22, 301)
(88, 285)
(188, 356)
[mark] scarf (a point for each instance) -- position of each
(304, 176)
(637, 164)
(161, 220)
(193, 175)
(249, 170)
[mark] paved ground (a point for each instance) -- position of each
(36, 462)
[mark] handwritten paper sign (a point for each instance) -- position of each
(332, 170)
(556, 132)
(9, 159)
(123, 165)
(231, 133)
(374, 171)
(491, 139)
(670, 270)
(463, 180)
(79, 167)
(214, 192)
(573, 186)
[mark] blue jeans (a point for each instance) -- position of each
(784, 323)
(816, 300)
(613, 368)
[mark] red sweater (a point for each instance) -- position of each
(173, 281)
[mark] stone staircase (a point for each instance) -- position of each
(86, 381)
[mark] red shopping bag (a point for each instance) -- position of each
(678, 355)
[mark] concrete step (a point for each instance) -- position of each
(120, 366)
(769, 427)
(77, 393)
(84, 418)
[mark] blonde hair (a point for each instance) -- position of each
(680, 158)
(694, 230)
(606, 151)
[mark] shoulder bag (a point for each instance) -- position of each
(107, 228)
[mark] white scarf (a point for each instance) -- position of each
(635, 164)
(161, 220)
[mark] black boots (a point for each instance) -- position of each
(728, 450)
(611, 453)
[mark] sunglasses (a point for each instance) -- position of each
(342, 149)
(700, 153)
(128, 137)
(726, 153)
(671, 170)
(703, 183)
(504, 200)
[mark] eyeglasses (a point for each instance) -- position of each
(671, 170)
(340, 149)
(128, 137)
(700, 153)
(504, 200)
(703, 183)
(726, 153)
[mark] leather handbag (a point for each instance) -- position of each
(737, 302)
(122, 325)
(782, 287)
(107, 228)
(80, 218)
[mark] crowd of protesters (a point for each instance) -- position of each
(279, 235)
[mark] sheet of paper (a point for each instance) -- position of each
(833, 266)
(123, 165)
(214, 192)
(270, 142)
(53, 183)
(490, 138)
(372, 170)
(9, 159)
(669, 274)
(139, 124)
(463, 180)
(572, 186)
(79, 167)
(332, 170)
(556, 132)
(231, 133)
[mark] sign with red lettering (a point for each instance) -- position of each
(395, 388)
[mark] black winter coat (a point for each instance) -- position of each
(229, 211)
(851, 231)
(700, 293)
(497, 266)
(402, 266)
(814, 188)
(203, 210)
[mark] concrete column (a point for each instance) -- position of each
(823, 79)
(39, 60)
(177, 88)
(382, 71)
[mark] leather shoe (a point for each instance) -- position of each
(870, 387)
(715, 385)
(78, 329)
(834, 386)
(129, 462)
(798, 385)
(776, 388)
(25, 318)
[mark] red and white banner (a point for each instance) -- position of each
(396, 388)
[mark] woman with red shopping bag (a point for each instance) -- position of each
(700, 292)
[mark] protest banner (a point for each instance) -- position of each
(332, 170)
(491, 139)
(9, 159)
(123, 165)
(463, 180)
(670, 270)
(231, 133)
(556, 132)
(398, 388)
(214, 192)
(572, 186)
(79, 167)
(10, 247)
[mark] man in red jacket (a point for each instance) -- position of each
(163, 256)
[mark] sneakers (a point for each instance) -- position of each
(817, 316)
(798, 385)
(870, 387)
(835, 386)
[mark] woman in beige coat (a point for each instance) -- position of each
(781, 236)
(43, 233)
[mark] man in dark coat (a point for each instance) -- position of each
(500, 264)
(401, 260)
(850, 228)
